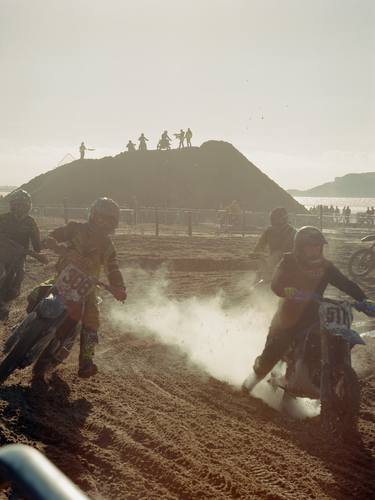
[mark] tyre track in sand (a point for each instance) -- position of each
(152, 425)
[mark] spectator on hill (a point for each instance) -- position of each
(130, 146)
(142, 142)
(181, 137)
(82, 150)
(188, 136)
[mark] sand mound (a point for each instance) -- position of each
(206, 177)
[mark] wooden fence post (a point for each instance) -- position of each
(243, 223)
(321, 217)
(66, 211)
(190, 224)
(156, 222)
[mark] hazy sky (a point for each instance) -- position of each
(103, 71)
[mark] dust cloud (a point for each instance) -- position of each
(218, 336)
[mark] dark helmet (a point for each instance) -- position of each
(279, 216)
(308, 235)
(105, 213)
(20, 203)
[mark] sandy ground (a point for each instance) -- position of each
(152, 424)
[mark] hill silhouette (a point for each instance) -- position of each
(350, 185)
(208, 176)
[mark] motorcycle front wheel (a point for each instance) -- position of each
(15, 356)
(361, 263)
(340, 414)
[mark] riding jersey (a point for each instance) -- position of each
(290, 274)
(97, 250)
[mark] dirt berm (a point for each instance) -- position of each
(209, 176)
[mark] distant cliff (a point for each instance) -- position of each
(350, 185)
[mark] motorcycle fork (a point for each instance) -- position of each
(335, 356)
(326, 374)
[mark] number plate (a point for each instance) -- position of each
(73, 284)
(335, 316)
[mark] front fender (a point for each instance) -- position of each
(50, 307)
(349, 335)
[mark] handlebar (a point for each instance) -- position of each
(365, 307)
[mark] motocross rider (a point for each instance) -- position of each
(91, 242)
(305, 270)
(278, 239)
(17, 230)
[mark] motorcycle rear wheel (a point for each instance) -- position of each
(361, 263)
(13, 359)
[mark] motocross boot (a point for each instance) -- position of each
(254, 378)
(87, 367)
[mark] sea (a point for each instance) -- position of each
(356, 204)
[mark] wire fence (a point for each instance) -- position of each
(185, 221)
(198, 222)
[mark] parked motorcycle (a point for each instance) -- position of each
(318, 366)
(164, 144)
(46, 330)
(362, 262)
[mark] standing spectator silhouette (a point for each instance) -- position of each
(130, 146)
(181, 137)
(347, 215)
(188, 136)
(142, 143)
(82, 150)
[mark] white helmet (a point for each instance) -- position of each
(105, 213)
(20, 203)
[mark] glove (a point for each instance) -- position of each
(119, 293)
(366, 306)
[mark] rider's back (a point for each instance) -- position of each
(22, 231)
(278, 239)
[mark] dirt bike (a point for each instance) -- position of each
(164, 144)
(44, 333)
(362, 262)
(318, 366)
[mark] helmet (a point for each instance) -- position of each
(20, 203)
(279, 216)
(105, 214)
(308, 235)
